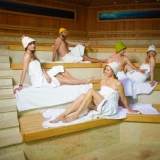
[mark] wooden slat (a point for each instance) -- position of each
(142, 118)
(44, 133)
(18, 66)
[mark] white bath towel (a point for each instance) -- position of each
(138, 77)
(127, 83)
(30, 97)
(133, 89)
(37, 76)
(52, 114)
(75, 55)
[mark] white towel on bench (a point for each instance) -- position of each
(30, 98)
(53, 113)
(133, 89)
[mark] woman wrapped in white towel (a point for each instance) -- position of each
(38, 76)
(148, 66)
(103, 104)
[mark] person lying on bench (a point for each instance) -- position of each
(76, 54)
(38, 76)
(148, 66)
(103, 104)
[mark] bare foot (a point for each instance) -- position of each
(59, 118)
(89, 80)
(105, 61)
(69, 119)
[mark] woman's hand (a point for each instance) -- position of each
(134, 111)
(48, 78)
(152, 83)
(142, 70)
(18, 89)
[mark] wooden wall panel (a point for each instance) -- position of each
(120, 27)
(9, 18)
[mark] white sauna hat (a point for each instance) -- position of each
(26, 41)
(151, 48)
(114, 66)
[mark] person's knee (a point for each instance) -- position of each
(85, 57)
(90, 91)
(82, 96)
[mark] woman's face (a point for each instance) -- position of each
(123, 51)
(108, 71)
(31, 46)
(151, 54)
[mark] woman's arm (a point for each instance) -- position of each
(26, 60)
(152, 66)
(48, 78)
(123, 97)
(133, 66)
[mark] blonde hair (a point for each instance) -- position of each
(148, 56)
(112, 71)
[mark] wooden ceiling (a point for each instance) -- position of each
(96, 3)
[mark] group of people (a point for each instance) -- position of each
(105, 101)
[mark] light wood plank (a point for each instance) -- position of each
(31, 125)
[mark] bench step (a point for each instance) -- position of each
(4, 59)
(9, 119)
(5, 80)
(7, 102)
(5, 71)
(6, 91)
(4, 109)
(5, 65)
(31, 125)
(13, 156)
(11, 139)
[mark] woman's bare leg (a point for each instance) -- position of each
(91, 94)
(72, 108)
(66, 75)
(63, 80)
(93, 60)
(127, 68)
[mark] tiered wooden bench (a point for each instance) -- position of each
(31, 125)
(95, 49)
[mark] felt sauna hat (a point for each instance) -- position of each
(151, 48)
(119, 46)
(114, 66)
(61, 30)
(26, 41)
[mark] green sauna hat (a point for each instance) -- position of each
(119, 46)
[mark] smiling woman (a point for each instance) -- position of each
(37, 10)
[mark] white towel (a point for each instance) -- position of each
(127, 83)
(75, 55)
(30, 98)
(133, 89)
(37, 76)
(52, 114)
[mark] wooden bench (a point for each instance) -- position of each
(106, 49)
(31, 125)
(91, 44)
(18, 66)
